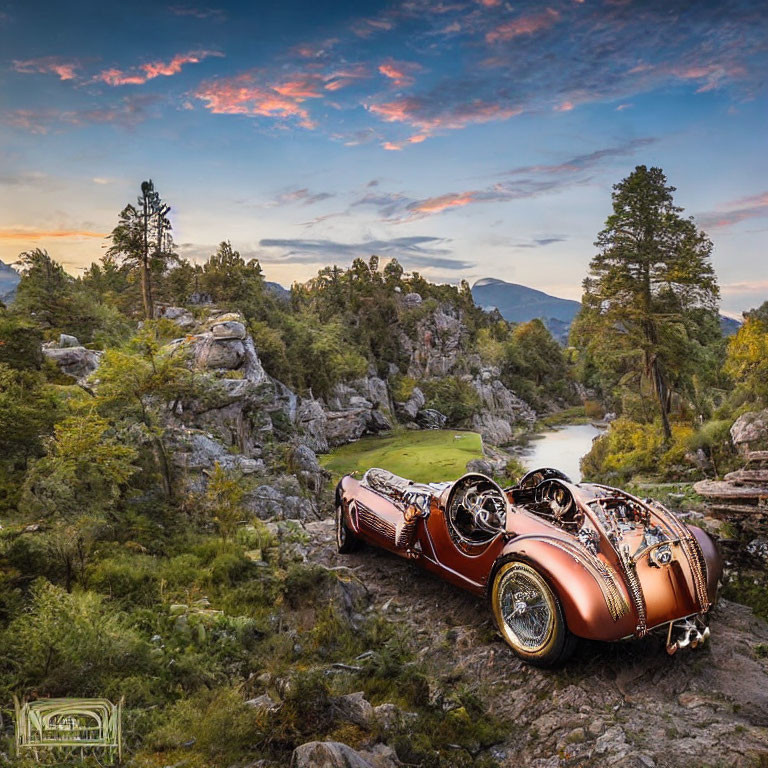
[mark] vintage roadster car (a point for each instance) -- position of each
(557, 560)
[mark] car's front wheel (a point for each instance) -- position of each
(346, 541)
(529, 615)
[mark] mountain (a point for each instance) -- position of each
(278, 290)
(519, 303)
(9, 279)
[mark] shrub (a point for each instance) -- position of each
(453, 397)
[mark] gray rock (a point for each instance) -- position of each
(264, 702)
(178, 315)
(77, 362)
(412, 300)
(429, 418)
(436, 346)
(312, 419)
(387, 716)
(412, 405)
(334, 754)
(354, 708)
(378, 422)
(231, 329)
(279, 503)
(483, 466)
(501, 409)
(750, 430)
(66, 340)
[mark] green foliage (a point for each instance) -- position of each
(747, 358)
(649, 317)
(222, 500)
(70, 644)
(533, 364)
(20, 343)
(453, 397)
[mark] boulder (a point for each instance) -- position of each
(77, 362)
(750, 430)
(483, 466)
(195, 451)
(408, 410)
(412, 300)
(312, 419)
(65, 340)
(354, 708)
(178, 315)
(279, 500)
(334, 754)
(346, 426)
(378, 422)
(429, 418)
(307, 468)
(230, 329)
(500, 408)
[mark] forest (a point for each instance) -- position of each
(124, 574)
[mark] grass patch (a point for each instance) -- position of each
(428, 456)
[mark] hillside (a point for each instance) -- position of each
(519, 304)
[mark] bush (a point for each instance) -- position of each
(453, 397)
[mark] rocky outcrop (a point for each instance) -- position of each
(280, 499)
(750, 431)
(195, 451)
(407, 410)
(502, 413)
(334, 754)
(182, 317)
(75, 361)
(353, 409)
(434, 349)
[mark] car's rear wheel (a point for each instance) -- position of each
(346, 541)
(529, 615)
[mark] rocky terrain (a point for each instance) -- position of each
(627, 705)
(243, 408)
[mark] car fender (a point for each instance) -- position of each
(593, 608)
(712, 559)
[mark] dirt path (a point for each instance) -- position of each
(621, 705)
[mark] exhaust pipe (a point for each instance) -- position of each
(688, 634)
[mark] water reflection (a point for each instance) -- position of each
(560, 448)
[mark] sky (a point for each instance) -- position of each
(467, 138)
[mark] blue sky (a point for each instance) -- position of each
(468, 138)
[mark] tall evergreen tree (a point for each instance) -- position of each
(143, 240)
(650, 300)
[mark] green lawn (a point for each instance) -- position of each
(428, 456)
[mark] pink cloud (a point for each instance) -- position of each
(753, 207)
(47, 234)
(66, 69)
(244, 94)
(399, 72)
(154, 69)
(566, 106)
(442, 203)
(523, 25)
(414, 111)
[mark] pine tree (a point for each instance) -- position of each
(650, 300)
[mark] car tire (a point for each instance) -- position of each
(529, 615)
(346, 541)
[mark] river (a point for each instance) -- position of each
(561, 448)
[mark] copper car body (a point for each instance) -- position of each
(619, 566)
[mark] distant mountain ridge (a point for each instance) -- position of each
(519, 304)
(9, 279)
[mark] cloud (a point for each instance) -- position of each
(429, 114)
(65, 68)
(48, 234)
(541, 242)
(301, 196)
(128, 113)
(399, 72)
(214, 14)
(420, 251)
(753, 207)
(153, 69)
(585, 161)
(23, 179)
(523, 25)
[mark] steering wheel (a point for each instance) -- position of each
(476, 510)
(554, 492)
(537, 476)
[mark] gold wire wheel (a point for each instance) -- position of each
(525, 609)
